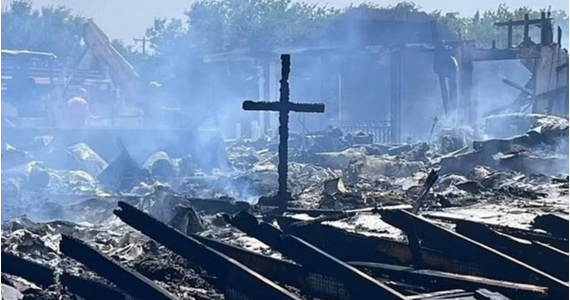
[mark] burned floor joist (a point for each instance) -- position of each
(349, 246)
(130, 281)
(442, 280)
(556, 242)
(327, 269)
(544, 258)
(44, 276)
(237, 280)
(501, 265)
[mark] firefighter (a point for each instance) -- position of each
(76, 112)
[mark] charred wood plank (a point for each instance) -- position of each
(502, 265)
(29, 270)
(537, 255)
(128, 280)
(555, 224)
(349, 246)
(437, 280)
(558, 243)
(238, 280)
(45, 276)
(327, 268)
(335, 212)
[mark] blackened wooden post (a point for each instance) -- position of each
(282, 195)
(284, 107)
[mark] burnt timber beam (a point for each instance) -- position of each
(500, 54)
(239, 281)
(359, 284)
(543, 258)
(555, 242)
(29, 270)
(502, 265)
(128, 280)
(440, 295)
(44, 277)
(520, 22)
(554, 224)
(295, 275)
(443, 280)
(349, 212)
(349, 246)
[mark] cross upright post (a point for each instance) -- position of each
(283, 106)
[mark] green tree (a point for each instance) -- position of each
(54, 29)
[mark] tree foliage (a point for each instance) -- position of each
(54, 29)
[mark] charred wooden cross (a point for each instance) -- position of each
(284, 107)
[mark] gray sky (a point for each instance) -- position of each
(128, 19)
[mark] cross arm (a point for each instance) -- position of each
(290, 106)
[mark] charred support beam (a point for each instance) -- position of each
(558, 243)
(502, 265)
(130, 281)
(36, 273)
(358, 284)
(556, 225)
(350, 246)
(44, 276)
(539, 256)
(436, 280)
(233, 276)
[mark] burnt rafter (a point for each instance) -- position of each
(238, 280)
(128, 280)
(325, 267)
(502, 265)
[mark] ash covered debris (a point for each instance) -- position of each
(460, 210)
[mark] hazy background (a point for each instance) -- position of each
(128, 19)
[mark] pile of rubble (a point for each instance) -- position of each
(475, 215)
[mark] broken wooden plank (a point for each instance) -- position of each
(543, 258)
(236, 279)
(437, 280)
(502, 265)
(359, 284)
(558, 243)
(327, 212)
(555, 224)
(349, 246)
(130, 281)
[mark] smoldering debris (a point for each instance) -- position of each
(347, 220)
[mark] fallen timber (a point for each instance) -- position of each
(556, 242)
(295, 275)
(44, 276)
(130, 281)
(357, 283)
(542, 257)
(443, 280)
(503, 266)
(334, 212)
(554, 224)
(239, 281)
(343, 244)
